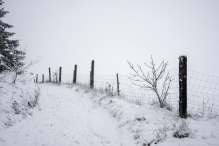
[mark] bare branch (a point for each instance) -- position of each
(152, 79)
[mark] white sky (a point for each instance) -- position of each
(68, 32)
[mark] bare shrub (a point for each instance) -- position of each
(21, 64)
(152, 79)
(109, 89)
(55, 77)
(138, 96)
(206, 110)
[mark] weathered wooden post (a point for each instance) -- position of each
(75, 75)
(36, 78)
(90, 79)
(117, 76)
(92, 75)
(49, 75)
(0, 65)
(60, 74)
(183, 86)
(42, 78)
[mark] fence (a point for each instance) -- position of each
(201, 90)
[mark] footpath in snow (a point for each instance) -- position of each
(79, 116)
(66, 118)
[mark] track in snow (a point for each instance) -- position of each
(66, 118)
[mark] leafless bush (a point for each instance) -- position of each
(206, 110)
(152, 79)
(109, 89)
(55, 77)
(22, 65)
(138, 95)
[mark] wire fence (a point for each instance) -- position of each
(202, 89)
(202, 92)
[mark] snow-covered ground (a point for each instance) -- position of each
(16, 100)
(151, 125)
(66, 118)
(76, 115)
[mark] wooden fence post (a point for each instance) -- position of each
(49, 75)
(42, 78)
(92, 75)
(75, 75)
(117, 76)
(183, 86)
(36, 78)
(90, 78)
(0, 65)
(60, 74)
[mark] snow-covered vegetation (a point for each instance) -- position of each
(74, 114)
(106, 110)
(150, 124)
(18, 94)
(16, 100)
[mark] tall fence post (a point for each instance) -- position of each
(42, 78)
(0, 66)
(75, 75)
(90, 78)
(183, 86)
(92, 75)
(117, 76)
(49, 75)
(36, 78)
(60, 74)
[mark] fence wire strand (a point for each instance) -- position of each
(202, 89)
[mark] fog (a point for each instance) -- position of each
(68, 32)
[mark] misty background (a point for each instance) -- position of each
(68, 32)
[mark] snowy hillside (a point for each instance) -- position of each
(149, 124)
(76, 115)
(16, 100)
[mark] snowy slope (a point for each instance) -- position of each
(66, 118)
(151, 125)
(16, 100)
(76, 115)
